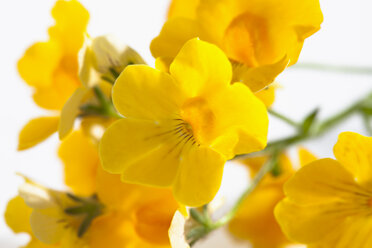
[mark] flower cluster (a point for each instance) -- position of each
(144, 148)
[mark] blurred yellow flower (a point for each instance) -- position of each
(181, 127)
(328, 202)
(134, 216)
(260, 37)
(118, 215)
(255, 219)
(51, 68)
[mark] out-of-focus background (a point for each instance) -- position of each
(345, 39)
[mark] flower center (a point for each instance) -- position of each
(246, 38)
(199, 119)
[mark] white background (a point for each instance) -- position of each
(345, 39)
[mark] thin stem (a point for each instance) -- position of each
(334, 68)
(367, 123)
(268, 166)
(283, 118)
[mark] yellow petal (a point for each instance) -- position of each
(69, 31)
(141, 151)
(37, 65)
(255, 219)
(200, 68)
(153, 219)
(146, 93)
(305, 156)
(80, 157)
(17, 215)
(354, 151)
(45, 225)
(248, 123)
(309, 223)
(270, 29)
(174, 34)
(182, 8)
(257, 78)
(62, 87)
(70, 111)
(36, 131)
(322, 180)
(267, 95)
(199, 177)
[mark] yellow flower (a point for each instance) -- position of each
(118, 215)
(134, 216)
(260, 37)
(181, 127)
(51, 68)
(255, 219)
(328, 202)
(57, 218)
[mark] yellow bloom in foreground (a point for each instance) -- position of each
(51, 68)
(255, 219)
(181, 127)
(260, 37)
(328, 201)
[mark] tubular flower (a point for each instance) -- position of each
(255, 219)
(134, 216)
(180, 128)
(51, 68)
(102, 60)
(328, 202)
(260, 37)
(58, 218)
(119, 215)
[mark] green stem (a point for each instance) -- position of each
(267, 167)
(367, 123)
(283, 118)
(106, 104)
(334, 68)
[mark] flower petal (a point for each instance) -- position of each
(141, 151)
(354, 151)
(309, 223)
(200, 68)
(73, 26)
(36, 131)
(146, 93)
(257, 78)
(173, 36)
(182, 8)
(199, 177)
(245, 128)
(273, 29)
(45, 225)
(70, 111)
(80, 157)
(255, 219)
(17, 215)
(322, 180)
(267, 95)
(38, 63)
